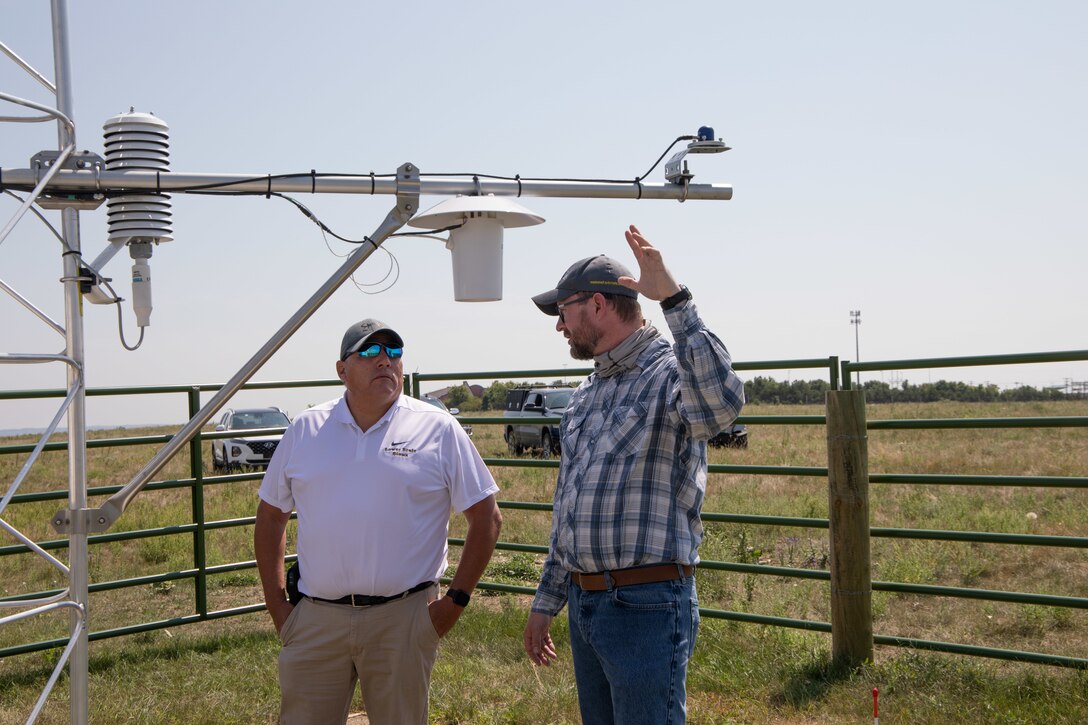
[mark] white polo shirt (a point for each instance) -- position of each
(373, 507)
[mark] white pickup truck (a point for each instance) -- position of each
(522, 406)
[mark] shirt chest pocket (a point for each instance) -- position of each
(624, 432)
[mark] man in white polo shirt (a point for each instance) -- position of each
(373, 476)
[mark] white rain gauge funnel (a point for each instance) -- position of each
(476, 245)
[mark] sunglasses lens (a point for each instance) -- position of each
(375, 349)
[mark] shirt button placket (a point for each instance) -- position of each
(360, 445)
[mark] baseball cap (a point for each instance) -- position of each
(592, 274)
(360, 333)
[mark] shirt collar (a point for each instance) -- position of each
(342, 414)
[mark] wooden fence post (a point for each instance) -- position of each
(848, 513)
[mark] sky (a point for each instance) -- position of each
(924, 163)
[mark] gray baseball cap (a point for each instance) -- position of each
(592, 274)
(360, 333)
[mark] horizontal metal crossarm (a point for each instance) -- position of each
(98, 181)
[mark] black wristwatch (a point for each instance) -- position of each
(460, 598)
(682, 296)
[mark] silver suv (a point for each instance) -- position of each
(246, 450)
(442, 406)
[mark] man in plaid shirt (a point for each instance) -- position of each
(625, 525)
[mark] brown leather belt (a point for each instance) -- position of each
(635, 575)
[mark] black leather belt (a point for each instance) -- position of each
(365, 600)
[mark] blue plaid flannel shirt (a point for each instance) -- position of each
(633, 471)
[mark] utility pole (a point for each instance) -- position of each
(855, 320)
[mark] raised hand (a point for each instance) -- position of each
(655, 281)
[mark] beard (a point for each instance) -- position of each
(583, 342)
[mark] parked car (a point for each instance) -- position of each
(526, 404)
(735, 436)
(452, 411)
(246, 450)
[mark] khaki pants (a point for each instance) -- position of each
(389, 649)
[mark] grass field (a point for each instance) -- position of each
(224, 671)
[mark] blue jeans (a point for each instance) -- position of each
(631, 646)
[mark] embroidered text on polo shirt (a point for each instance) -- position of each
(396, 448)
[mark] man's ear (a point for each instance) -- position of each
(600, 302)
(340, 370)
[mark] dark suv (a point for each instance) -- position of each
(247, 450)
(735, 436)
(524, 407)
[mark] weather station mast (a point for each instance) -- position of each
(134, 180)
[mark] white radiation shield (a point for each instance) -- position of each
(477, 260)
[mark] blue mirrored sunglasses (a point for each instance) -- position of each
(374, 348)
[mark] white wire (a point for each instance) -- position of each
(394, 267)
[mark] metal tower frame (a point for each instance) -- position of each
(68, 175)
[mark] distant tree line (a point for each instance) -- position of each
(767, 390)
(494, 397)
(801, 392)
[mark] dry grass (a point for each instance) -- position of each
(742, 673)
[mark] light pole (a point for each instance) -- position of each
(855, 320)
